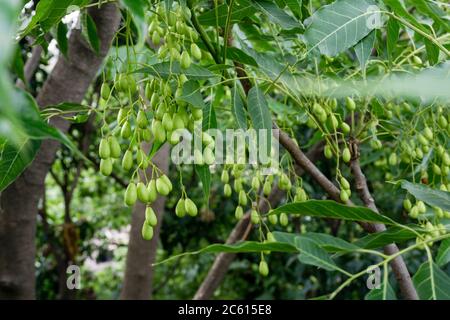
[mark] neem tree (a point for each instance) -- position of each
(363, 83)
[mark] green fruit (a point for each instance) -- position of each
(167, 181)
(191, 208)
(436, 169)
(267, 188)
(284, 220)
(344, 196)
(197, 114)
(421, 138)
(103, 150)
(393, 159)
(127, 160)
(180, 209)
(446, 159)
(273, 218)
(407, 204)
(350, 104)
(196, 52)
(162, 187)
(151, 191)
(142, 192)
(328, 152)
(345, 128)
(167, 122)
(242, 198)
(185, 60)
(270, 237)
(174, 138)
(141, 119)
(147, 232)
(417, 60)
(254, 216)
(414, 213)
(345, 184)
(421, 206)
(156, 38)
(130, 195)
(208, 156)
(147, 134)
(442, 121)
(255, 183)
(106, 166)
(158, 131)
(198, 157)
(125, 132)
(239, 212)
(227, 190)
(225, 178)
(150, 217)
(114, 147)
(122, 116)
(346, 156)
(178, 122)
(105, 91)
(428, 133)
(263, 268)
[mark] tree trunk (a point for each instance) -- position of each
(141, 254)
(69, 82)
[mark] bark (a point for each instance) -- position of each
(69, 82)
(141, 254)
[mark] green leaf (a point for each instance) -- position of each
(209, 117)
(339, 26)
(332, 209)
(15, 159)
(49, 13)
(392, 29)
(237, 107)
(377, 294)
(93, 38)
(240, 247)
(191, 94)
(391, 235)
(295, 6)
(18, 65)
(312, 254)
(136, 7)
(431, 282)
(241, 9)
(156, 145)
(330, 243)
(61, 38)
(363, 49)
(443, 255)
(166, 69)
(433, 11)
(398, 8)
(204, 175)
(433, 197)
(260, 116)
(432, 51)
(238, 55)
(276, 15)
(63, 109)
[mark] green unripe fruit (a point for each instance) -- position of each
(345, 184)
(227, 190)
(263, 268)
(141, 159)
(167, 122)
(154, 100)
(127, 160)
(197, 113)
(407, 204)
(103, 150)
(318, 110)
(242, 198)
(162, 187)
(344, 196)
(346, 156)
(436, 169)
(428, 133)
(198, 157)
(239, 212)
(147, 232)
(417, 60)
(393, 159)
(105, 91)
(122, 116)
(345, 128)
(332, 123)
(174, 138)
(270, 237)
(125, 132)
(150, 217)
(446, 159)
(414, 213)
(147, 134)
(255, 183)
(284, 220)
(156, 38)
(178, 122)
(141, 119)
(180, 209)
(267, 188)
(196, 52)
(106, 166)
(273, 218)
(422, 139)
(421, 206)
(225, 178)
(151, 191)
(148, 90)
(208, 156)
(191, 208)
(442, 121)
(254, 216)
(158, 131)
(142, 192)
(375, 144)
(167, 181)
(114, 147)
(185, 60)
(130, 195)
(327, 151)
(350, 104)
